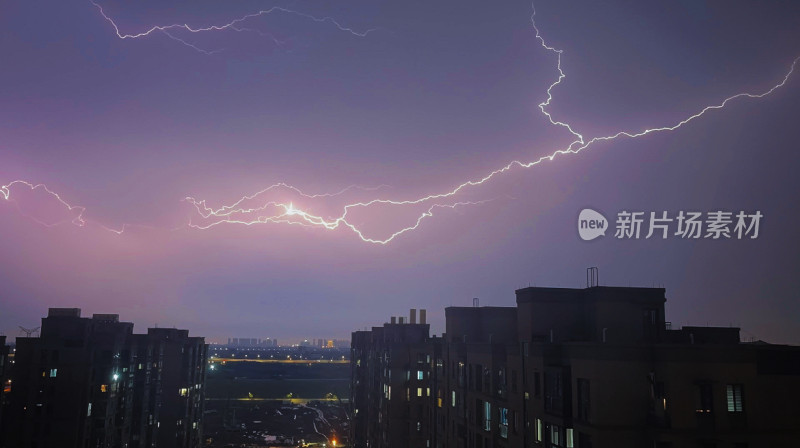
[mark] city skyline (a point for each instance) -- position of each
(400, 101)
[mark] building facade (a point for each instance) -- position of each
(5, 386)
(594, 367)
(91, 382)
(391, 383)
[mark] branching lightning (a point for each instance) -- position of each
(234, 25)
(271, 205)
(5, 191)
(190, 45)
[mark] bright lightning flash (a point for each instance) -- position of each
(263, 207)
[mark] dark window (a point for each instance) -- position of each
(705, 406)
(513, 380)
(537, 385)
(584, 406)
(650, 328)
(705, 398)
(515, 421)
(585, 441)
(553, 392)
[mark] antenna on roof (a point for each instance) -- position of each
(475, 302)
(592, 277)
(29, 331)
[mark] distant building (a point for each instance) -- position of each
(91, 382)
(252, 342)
(594, 367)
(328, 343)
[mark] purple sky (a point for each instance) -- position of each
(414, 98)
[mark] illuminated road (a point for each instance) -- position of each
(281, 361)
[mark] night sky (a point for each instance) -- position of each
(392, 101)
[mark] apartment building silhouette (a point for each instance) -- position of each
(590, 368)
(92, 382)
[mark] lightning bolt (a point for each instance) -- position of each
(190, 45)
(268, 210)
(5, 191)
(232, 25)
(576, 146)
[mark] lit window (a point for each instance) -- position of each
(555, 435)
(453, 399)
(734, 395)
(184, 392)
(503, 422)
(570, 442)
(538, 430)
(53, 373)
(420, 374)
(428, 392)
(419, 391)
(104, 388)
(487, 416)
(89, 411)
